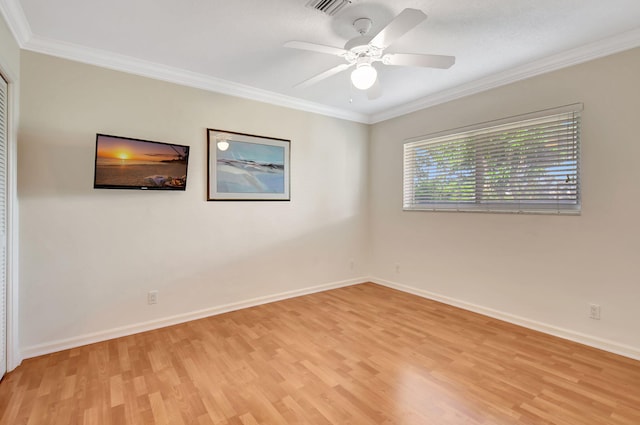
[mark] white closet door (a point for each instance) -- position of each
(3, 225)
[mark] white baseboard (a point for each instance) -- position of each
(595, 342)
(64, 344)
(54, 346)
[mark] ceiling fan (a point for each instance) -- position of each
(364, 50)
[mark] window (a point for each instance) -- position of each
(527, 164)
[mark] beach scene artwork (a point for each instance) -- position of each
(139, 164)
(248, 168)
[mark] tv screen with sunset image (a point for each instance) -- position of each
(125, 163)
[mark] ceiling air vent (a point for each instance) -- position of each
(330, 7)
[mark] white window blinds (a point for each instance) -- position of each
(527, 164)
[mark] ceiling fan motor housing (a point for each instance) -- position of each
(358, 44)
(359, 47)
(362, 25)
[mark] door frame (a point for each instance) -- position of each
(13, 355)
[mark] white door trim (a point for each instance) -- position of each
(14, 356)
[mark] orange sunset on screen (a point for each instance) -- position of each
(134, 150)
(121, 152)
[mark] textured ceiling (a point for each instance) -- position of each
(236, 46)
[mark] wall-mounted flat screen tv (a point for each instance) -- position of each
(125, 163)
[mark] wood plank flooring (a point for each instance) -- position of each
(358, 355)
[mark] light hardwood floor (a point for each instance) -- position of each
(358, 355)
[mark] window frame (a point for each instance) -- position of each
(468, 197)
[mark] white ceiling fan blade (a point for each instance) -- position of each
(405, 21)
(427, 61)
(321, 48)
(325, 74)
(375, 91)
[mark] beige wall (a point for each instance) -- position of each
(542, 269)
(9, 53)
(88, 257)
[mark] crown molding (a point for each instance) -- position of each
(598, 49)
(19, 26)
(16, 20)
(161, 72)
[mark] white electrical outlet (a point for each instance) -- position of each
(594, 311)
(397, 267)
(352, 264)
(152, 297)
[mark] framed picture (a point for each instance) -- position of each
(245, 167)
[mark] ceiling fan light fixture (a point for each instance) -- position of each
(364, 76)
